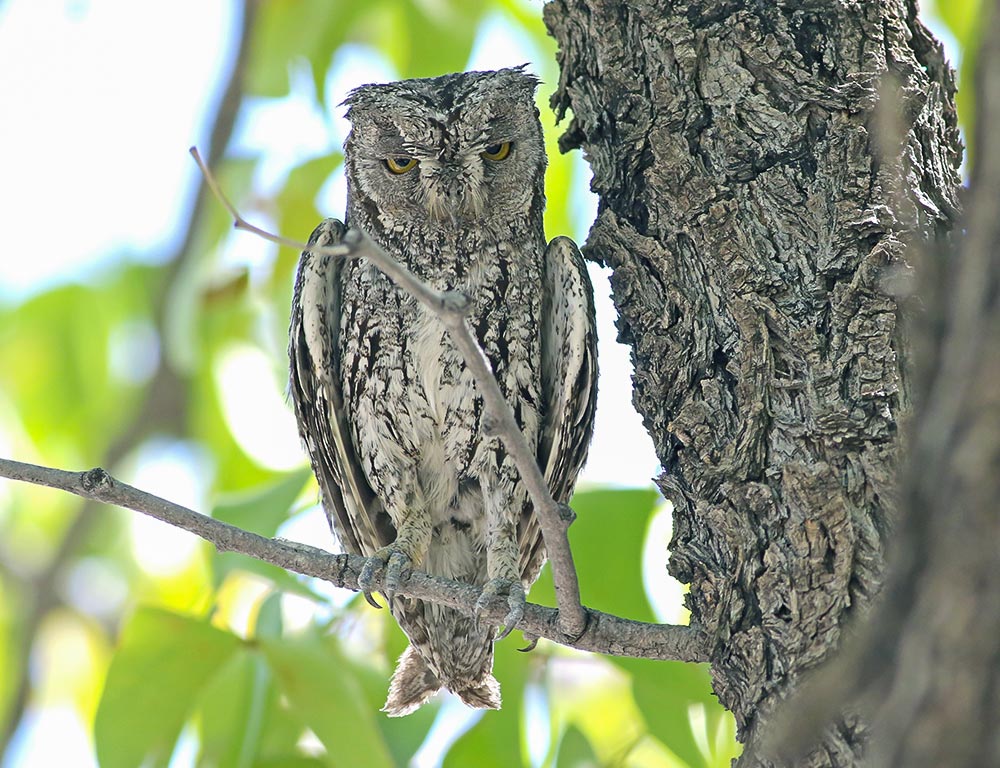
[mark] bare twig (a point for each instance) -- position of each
(451, 307)
(603, 633)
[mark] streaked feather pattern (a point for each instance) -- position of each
(386, 407)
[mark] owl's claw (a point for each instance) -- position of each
(515, 602)
(394, 561)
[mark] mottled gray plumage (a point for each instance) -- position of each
(446, 174)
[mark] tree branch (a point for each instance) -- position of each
(604, 633)
(451, 307)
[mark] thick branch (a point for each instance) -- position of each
(451, 308)
(603, 634)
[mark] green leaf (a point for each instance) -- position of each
(725, 747)
(287, 31)
(497, 740)
(962, 17)
(269, 620)
(323, 691)
(575, 751)
(163, 661)
(297, 212)
(297, 217)
(403, 735)
(232, 713)
(424, 39)
(291, 761)
(607, 538)
(261, 511)
(54, 367)
(664, 692)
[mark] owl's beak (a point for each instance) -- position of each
(453, 197)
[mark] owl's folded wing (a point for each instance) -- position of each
(353, 511)
(569, 386)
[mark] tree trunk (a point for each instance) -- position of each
(756, 218)
(927, 666)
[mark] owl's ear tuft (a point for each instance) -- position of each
(411, 685)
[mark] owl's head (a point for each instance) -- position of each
(448, 150)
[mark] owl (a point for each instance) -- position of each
(446, 174)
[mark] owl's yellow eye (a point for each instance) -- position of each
(400, 164)
(497, 151)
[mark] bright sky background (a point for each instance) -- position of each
(99, 101)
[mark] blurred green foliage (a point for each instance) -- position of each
(239, 661)
(964, 19)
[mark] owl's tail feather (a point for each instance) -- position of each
(413, 683)
(485, 695)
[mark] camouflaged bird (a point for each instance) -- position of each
(446, 174)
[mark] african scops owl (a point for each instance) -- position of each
(446, 174)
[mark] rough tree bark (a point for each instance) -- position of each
(927, 665)
(752, 216)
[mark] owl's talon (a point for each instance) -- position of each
(372, 601)
(532, 643)
(398, 562)
(367, 577)
(515, 602)
(393, 561)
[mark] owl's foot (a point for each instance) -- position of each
(515, 602)
(394, 560)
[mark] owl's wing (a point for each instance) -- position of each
(351, 508)
(569, 386)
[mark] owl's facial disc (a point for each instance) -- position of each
(456, 152)
(454, 189)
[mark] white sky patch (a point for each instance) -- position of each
(254, 407)
(283, 131)
(186, 750)
(665, 594)
(95, 587)
(51, 735)
(246, 250)
(96, 126)
(175, 471)
(621, 453)
(332, 197)
(536, 721)
(134, 351)
(353, 65)
(501, 44)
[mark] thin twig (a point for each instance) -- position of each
(603, 634)
(451, 308)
